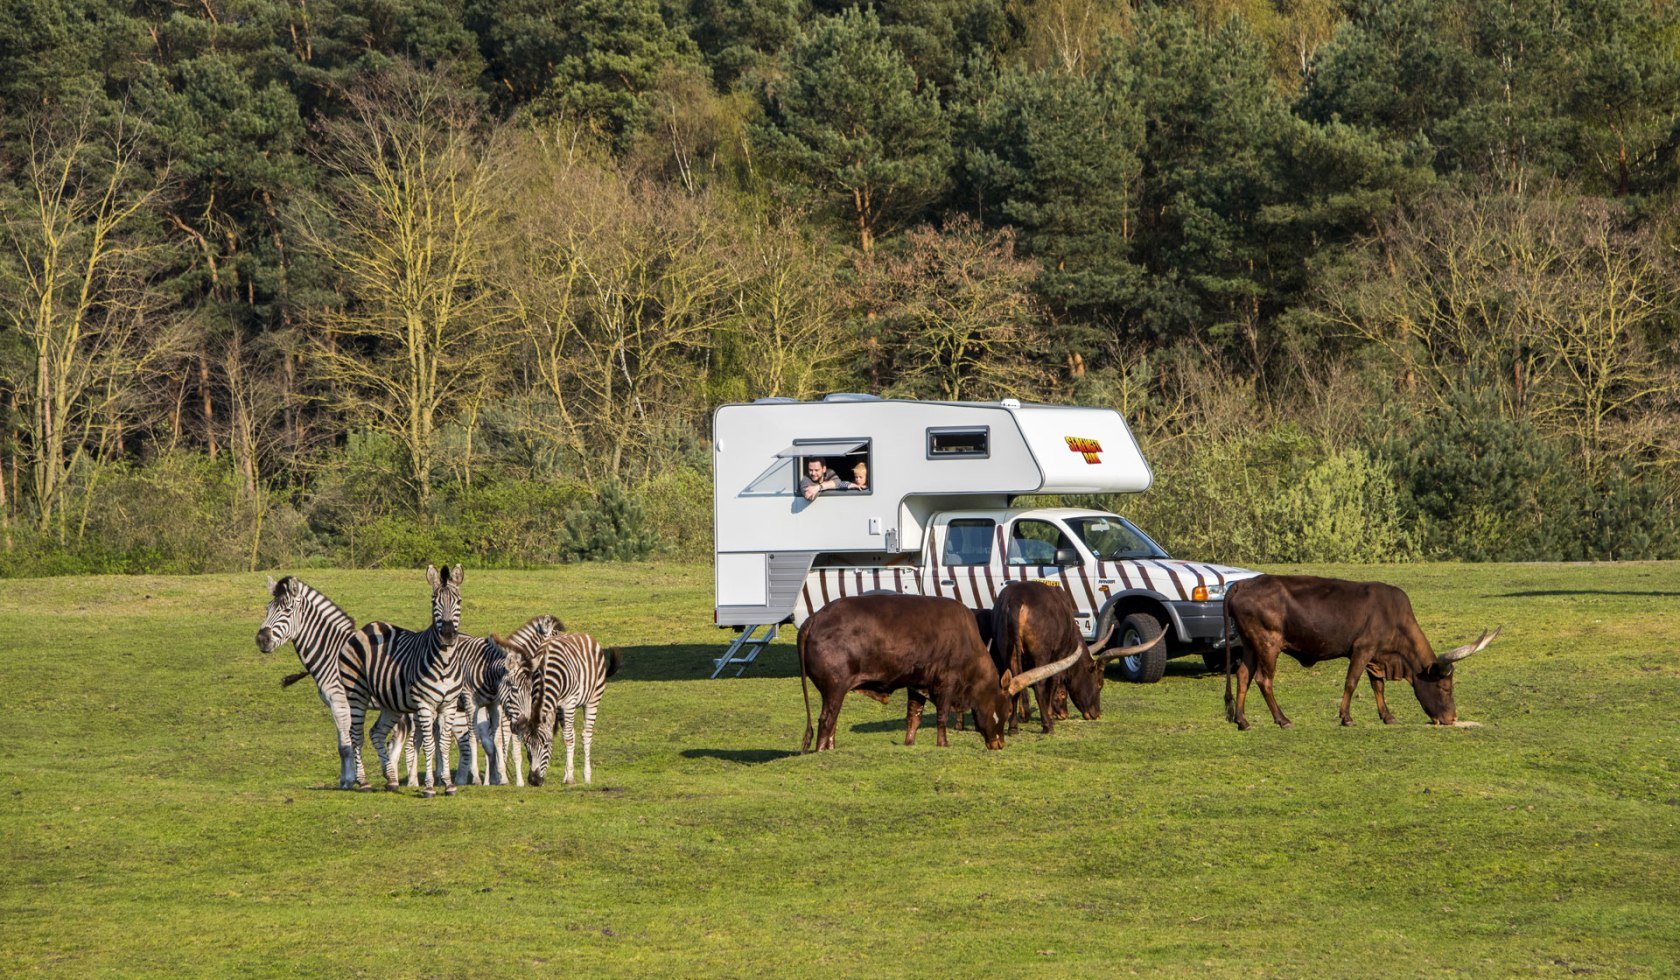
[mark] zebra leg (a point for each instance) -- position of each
(350, 756)
(466, 748)
(516, 747)
(445, 736)
(588, 736)
(382, 744)
(425, 729)
(490, 734)
(567, 717)
(339, 705)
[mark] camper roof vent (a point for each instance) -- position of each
(1011, 403)
(850, 396)
(776, 400)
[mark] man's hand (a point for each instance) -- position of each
(810, 492)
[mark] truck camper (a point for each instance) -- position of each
(933, 510)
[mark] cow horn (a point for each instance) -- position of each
(1131, 651)
(1030, 677)
(1102, 641)
(1459, 653)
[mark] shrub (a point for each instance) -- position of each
(612, 527)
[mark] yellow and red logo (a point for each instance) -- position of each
(1089, 448)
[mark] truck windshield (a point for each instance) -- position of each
(1113, 539)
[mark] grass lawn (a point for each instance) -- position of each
(164, 804)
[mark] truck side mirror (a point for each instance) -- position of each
(1068, 556)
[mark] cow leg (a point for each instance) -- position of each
(1356, 666)
(829, 717)
(939, 722)
(1386, 715)
(913, 716)
(1245, 674)
(1264, 679)
(1045, 692)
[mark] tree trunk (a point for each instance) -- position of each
(204, 401)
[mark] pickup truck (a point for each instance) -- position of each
(1113, 571)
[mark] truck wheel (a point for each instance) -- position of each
(1146, 667)
(1214, 660)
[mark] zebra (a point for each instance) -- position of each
(317, 628)
(494, 687)
(405, 672)
(568, 672)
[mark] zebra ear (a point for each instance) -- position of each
(456, 575)
(432, 577)
(271, 584)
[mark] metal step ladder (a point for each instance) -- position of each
(745, 649)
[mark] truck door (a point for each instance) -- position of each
(1033, 547)
(963, 561)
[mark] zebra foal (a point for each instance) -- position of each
(568, 672)
(494, 685)
(406, 672)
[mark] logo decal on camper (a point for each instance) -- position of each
(1089, 448)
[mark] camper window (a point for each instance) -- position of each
(1036, 543)
(841, 456)
(966, 443)
(968, 541)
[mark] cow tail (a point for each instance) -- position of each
(1225, 634)
(804, 689)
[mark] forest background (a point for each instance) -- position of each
(375, 283)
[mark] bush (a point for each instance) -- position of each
(612, 527)
(679, 510)
(514, 523)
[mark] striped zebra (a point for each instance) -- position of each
(495, 696)
(569, 672)
(406, 672)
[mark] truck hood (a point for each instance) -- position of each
(1171, 577)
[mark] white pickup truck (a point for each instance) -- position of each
(817, 500)
(1115, 574)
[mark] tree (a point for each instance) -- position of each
(407, 225)
(850, 115)
(80, 280)
(788, 320)
(957, 316)
(1056, 155)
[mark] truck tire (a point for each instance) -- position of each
(1149, 666)
(1214, 660)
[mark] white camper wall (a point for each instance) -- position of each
(1083, 450)
(746, 439)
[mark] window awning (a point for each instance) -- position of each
(823, 447)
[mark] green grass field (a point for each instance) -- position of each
(166, 805)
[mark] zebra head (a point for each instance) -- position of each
(513, 689)
(446, 601)
(281, 621)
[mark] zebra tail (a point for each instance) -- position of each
(291, 679)
(614, 661)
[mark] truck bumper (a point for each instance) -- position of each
(1200, 623)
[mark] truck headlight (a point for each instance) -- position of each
(1207, 593)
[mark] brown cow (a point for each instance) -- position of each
(877, 644)
(1034, 625)
(1314, 619)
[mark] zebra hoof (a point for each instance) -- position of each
(427, 794)
(391, 787)
(449, 791)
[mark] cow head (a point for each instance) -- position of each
(1434, 684)
(1084, 680)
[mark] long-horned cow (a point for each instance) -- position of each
(1315, 619)
(1034, 625)
(877, 644)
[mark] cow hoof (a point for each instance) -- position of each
(1243, 725)
(1388, 719)
(1347, 722)
(1286, 723)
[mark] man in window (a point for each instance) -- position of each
(818, 477)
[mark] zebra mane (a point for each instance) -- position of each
(318, 599)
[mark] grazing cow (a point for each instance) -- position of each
(1034, 625)
(877, 644)
(1314, 619)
